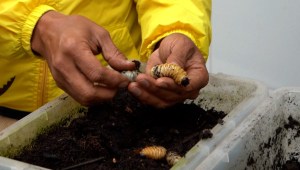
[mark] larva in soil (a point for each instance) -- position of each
(171, 70)
(172, 158)
(154, 152)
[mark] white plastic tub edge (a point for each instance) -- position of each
(235, 115)
(23, 131)
(9, 164)
(239, 97)
(236, 149)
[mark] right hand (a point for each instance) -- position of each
(164, 92)
(69, 45)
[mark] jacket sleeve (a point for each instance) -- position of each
(159, 18)
(18, 19)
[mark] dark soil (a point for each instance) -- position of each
(291, 165)
(111, 135)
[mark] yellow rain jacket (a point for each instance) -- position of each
(134, 25)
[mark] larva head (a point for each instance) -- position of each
(155, 71)
(185, 81)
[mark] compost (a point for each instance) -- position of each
(111, 136)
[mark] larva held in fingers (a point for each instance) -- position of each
(172, 158)
(154, 152)
(171, 70)
(131, 75)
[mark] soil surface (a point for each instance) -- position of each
(111, 135)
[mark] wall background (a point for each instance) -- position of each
(257, 39)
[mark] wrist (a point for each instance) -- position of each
(42, 30)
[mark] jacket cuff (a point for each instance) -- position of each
(151, 46)
(29, 25)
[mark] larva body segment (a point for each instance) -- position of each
(171, 70)
(154, 152)
(131, 75)
(172, 158)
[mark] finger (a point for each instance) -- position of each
(147, 92)
(168, 84)
(147, 97)
(167, 93)
(167, 89)
(95, 72)
(110, 52)
(198, 77)
(197, 72)
(82, 90)
(153, 60)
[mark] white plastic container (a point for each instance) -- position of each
(263, 140)
(234, 95)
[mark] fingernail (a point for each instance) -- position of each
(144, 83)
(136, 91)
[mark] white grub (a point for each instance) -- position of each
(154, 152)
(171, 70)
(131, 75)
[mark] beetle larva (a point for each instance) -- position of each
(173, 71)
(154, 152)
(131, 75)
(172, 158)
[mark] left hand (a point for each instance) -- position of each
(163, 92)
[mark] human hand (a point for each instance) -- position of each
(163, 92)
(69, 45)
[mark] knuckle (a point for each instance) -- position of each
(57, 63)
(87, 98)
(103, 34)
(77, 18)
(113, 56)
(95, 75)
(68, 43)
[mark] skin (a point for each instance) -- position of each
(163, 92)
(69, 45)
